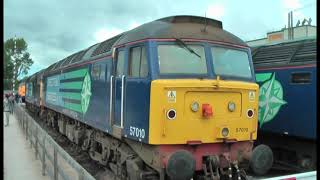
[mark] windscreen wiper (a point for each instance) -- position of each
(180, 42)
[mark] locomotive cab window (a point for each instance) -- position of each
(175, 59)
(98, 71)
(301, 77)
(231, 62)
(102, 72)
(120, 63)
(138, 66)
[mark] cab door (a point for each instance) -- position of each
(118, 92)
(137, 94)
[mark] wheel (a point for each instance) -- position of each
(261, 160)
(306, 162)
(181, 165)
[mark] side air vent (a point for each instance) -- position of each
(78, 56)
(57, 66)
(51, 67)
(284, 53)
(274, 54)
(307, 53)
(68, 59)
(105, 46)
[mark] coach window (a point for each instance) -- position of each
(301, 77)
(120, 63)
(138, 66)
(95, 73)
(108, 68)
(102, 72)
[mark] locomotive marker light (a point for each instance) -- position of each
(250, 113)
(171, 114)
(225, 132)
(206, 110)
(231, 106)
(195, 106)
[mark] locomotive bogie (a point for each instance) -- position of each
(62, 123)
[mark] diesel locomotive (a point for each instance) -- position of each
(174, 98)
(22, 90)
(286, 73)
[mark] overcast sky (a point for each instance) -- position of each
(55, 29)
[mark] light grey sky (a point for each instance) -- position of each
(56, 29)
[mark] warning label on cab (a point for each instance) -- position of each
(172, 95)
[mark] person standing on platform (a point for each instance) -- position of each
(17, 98)
(11, 102)
(6, 109)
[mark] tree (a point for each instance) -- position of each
(17, 61)
(8, 72)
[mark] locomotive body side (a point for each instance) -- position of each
(30, 89)
(81, 93)
(287, 111)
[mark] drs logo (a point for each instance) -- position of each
(137, 132)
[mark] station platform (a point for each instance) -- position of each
(19, 158)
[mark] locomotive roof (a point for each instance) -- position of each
(286, 53)
(181, 27)
(170, 27)
(33, 76)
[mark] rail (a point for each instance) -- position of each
(43, 144)
(300, 176)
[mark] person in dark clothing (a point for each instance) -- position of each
(17, 97)
(11, 102)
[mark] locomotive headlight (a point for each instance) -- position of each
(231, 106)
(250, 113)
(171, 114)
(225, 132)
(195, 106)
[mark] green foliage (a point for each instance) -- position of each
(7, 71)
(20, 57)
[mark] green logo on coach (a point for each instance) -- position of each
(270, 97)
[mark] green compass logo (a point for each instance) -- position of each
(270, 97)
(85, 93)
